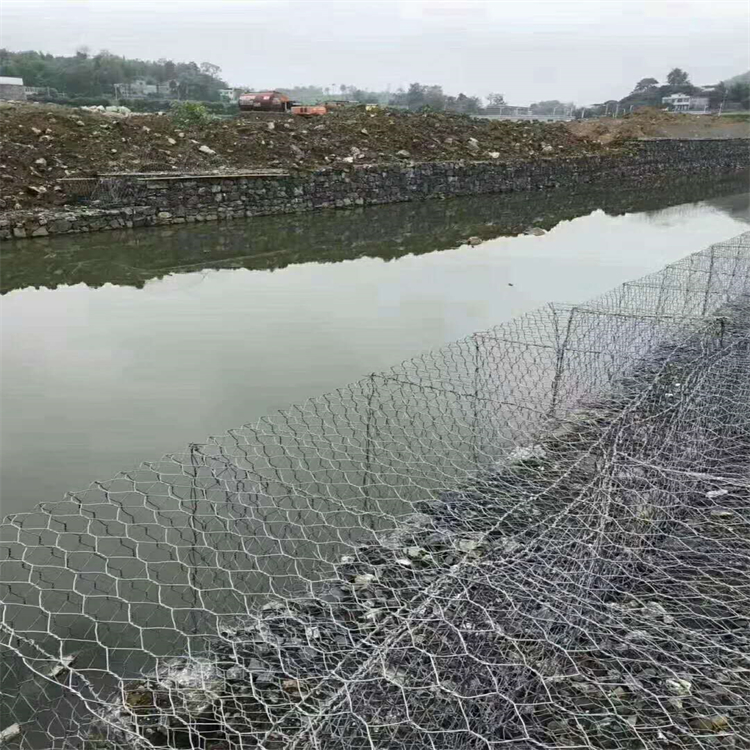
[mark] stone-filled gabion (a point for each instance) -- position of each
(181, 200)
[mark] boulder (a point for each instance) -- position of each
(60, 226)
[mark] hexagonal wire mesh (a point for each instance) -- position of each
(536, 537)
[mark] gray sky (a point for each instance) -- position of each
(529, 50)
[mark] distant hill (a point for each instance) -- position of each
(741, 78)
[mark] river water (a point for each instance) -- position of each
(120, 347)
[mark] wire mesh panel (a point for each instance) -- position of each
(536, 537)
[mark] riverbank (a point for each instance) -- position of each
(130, 201)
(128, 258)
(46, 146)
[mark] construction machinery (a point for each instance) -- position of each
(265, 101)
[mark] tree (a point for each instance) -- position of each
(210, 69)
(678, 77)
(739, 92)
(415, 96)
(551, 107)
(434, 98)
(495, 100)
(89, 75)
(645, 84)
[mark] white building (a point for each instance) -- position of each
(141, 89)
(231, 95)
(685, 103)
(12, 89)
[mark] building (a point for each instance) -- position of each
(685, 103)
(141, 89)
(12, 89)
(231, 95)
(39, 90)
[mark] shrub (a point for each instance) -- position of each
(186, 114)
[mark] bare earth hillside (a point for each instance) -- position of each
(43, 144)
(654, 123)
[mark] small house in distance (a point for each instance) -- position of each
(12, 89)
(686, 103)
(142, 89)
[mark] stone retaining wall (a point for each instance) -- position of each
(183, 199)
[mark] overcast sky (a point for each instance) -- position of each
(578, 50)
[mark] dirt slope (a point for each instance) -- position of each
(41, 144)
(654, 123)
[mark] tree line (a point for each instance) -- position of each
(419, 96)
(87, 75)
(648, 92)
(95, 75)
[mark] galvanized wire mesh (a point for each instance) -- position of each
(536, 537)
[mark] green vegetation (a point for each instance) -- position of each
(731, 94)
(418, 96)
(678, 77)
(741, 78)
(188, 114)
(84, 79)
(86, 75)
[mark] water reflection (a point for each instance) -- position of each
(133, 257)
(144, 341)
